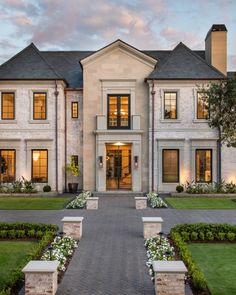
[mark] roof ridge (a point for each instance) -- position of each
(45, 60)
(199, 57)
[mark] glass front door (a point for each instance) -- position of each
(118, 166)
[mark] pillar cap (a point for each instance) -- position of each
(140, 198)
(41, 266)
(161, 266)
(72, 219)
(152, 219)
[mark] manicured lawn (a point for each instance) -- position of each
(11, 254)
(218, 263)
(33, 203)
(201, 203)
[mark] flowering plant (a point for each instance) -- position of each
(155, 201)
(62, 249)
(79, 201)
(157, 249)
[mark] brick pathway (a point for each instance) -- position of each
(111, 258)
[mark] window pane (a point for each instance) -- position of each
(8, 108)
(202, 107)
(75, 158)
(170, 105)
(124, 111)
(203, 165)
(39, 106)
(8, 165)
(170, 166)
(74, 109)
(40, 165)
(113, 111)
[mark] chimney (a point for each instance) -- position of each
(216, 47)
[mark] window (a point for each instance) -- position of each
(74, 110)
(8, 106)
(8, 165)
(75, 158)
(39, 105)
(39, 165)
(170, 105)
(170, 165)
(118, 112)
(202, 107)
(203, 165)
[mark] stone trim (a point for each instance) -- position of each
(72, 227)
(92, 203)
(140, 202)
(151, 226)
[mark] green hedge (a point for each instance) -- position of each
(43, 232)
(182, 233)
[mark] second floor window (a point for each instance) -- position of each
(74, 110)
(40, 106)
(118, 112)
(8, 106)
(202, 107)
(170, 105)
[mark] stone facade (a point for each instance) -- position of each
(92, 203)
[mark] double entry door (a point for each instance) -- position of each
(118, 166)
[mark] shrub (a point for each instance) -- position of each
(194, 236)
(155, 201)
(79, 201)
(31, 233)
(179, 188)
(209, 236)
(210, 188)
(3, 233)
(230, 236)
(185, 235)
(47, 188)
(201, 236)
(230, 187)
(20, 233)
(221, 236)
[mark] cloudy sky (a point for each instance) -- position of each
(84, 24)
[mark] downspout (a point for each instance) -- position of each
(65, 140)
(56, 132)
(153, 121)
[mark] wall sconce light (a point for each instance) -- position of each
(136, 161)
(100, 161)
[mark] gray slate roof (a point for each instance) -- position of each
(30, 63)
(183, 63)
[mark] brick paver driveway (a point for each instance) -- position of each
(111, 258)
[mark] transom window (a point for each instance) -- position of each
(39, 106)
(8, 106)
(202, 106)
(40, 165)
(170, 105)
(74, 110)
(170, 165)
(204, 165)
(8, 165)
(118, 112)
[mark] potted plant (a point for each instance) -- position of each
(73, 170)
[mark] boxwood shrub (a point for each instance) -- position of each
(183, 233)
(44, 233)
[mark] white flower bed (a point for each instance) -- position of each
(155, 201)
(62, 250)
(79, 201)
(156, 250)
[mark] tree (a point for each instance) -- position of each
(220, 99)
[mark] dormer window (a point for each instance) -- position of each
(118, 112)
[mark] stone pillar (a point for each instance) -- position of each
(151, 226)
(41, 277)
(72, 226)
(140, 202)
(169, 277)
(92, 203)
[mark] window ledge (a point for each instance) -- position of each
(8, 121)
(38, 122)
(170, 121)
(200, 121)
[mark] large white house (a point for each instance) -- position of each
(133, 119)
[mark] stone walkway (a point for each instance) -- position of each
(111, 256)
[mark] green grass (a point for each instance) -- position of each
(218, 263)
(33, 203)
(201, 203)
(11, 254)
